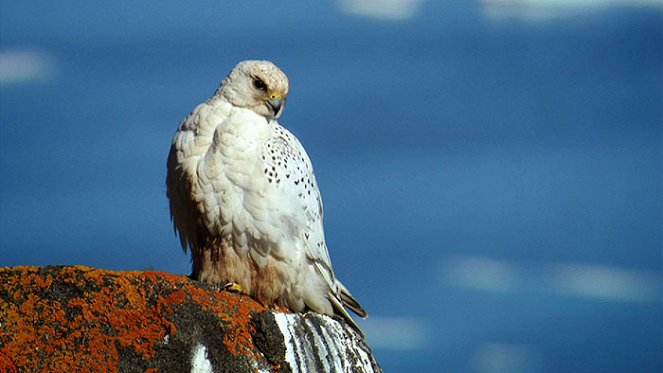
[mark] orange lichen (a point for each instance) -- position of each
(6, 364)
(239, 339)
(77, 318)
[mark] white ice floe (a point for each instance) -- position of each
(540, 10)
(396, 333)
(584, 280)
(382, 9)
(25, 66)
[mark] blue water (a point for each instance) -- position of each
(491, 178)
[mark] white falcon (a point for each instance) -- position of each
(244, 199)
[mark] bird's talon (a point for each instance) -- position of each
(232, 287)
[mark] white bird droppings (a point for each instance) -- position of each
(199, 361)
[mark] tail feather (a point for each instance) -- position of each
(339, 296)
(344, 299)
(349, 301)
(341, 311)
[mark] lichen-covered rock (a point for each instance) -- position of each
(70, 319)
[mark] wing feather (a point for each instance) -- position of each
(183, 210)
(287, 159)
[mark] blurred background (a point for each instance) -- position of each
(491, 170)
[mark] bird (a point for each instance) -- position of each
(244, 200)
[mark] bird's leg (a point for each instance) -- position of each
(232, 287)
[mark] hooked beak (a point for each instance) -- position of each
(277, 105)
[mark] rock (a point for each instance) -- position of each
(75, 318)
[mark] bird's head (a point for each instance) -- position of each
(257, 85)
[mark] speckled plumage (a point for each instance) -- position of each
(244, 199)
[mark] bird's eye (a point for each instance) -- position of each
(259, 84)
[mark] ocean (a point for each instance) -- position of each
(491, 170)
